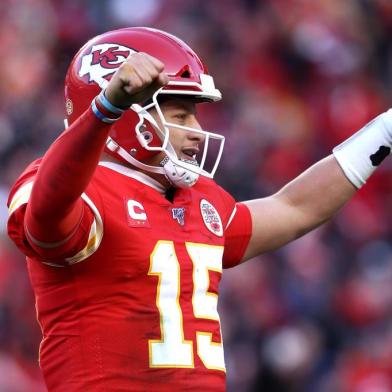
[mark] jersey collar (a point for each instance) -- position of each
(135, 174)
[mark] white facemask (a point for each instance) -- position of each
(179, 172)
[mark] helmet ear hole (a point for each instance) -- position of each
(147, 136)
(184, 72)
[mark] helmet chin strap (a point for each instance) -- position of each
(114, 147)
(178, 176)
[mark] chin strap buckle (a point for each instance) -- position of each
(112, 145)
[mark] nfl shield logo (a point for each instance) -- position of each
(179, 215)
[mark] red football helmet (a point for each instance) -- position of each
(136, 135)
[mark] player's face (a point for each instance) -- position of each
(181, 111)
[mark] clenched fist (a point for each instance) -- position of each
(136, 80)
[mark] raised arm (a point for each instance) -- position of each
(318, 193)
(55, 206)
(303, 204)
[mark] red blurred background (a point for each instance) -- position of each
(297, 77)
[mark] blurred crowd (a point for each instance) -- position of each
(297, 77)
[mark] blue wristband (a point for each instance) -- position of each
(100, 115)
(107, 105)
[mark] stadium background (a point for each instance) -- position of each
(298, 77)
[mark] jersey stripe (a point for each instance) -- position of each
(231, 216)
(48, 245)
(21, 197)
(95, 235)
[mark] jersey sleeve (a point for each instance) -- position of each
(83, 241)
(237, 230)
(237, 235)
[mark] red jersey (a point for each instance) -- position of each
(131, 305)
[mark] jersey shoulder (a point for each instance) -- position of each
(19, 189)
(236, 219)
(209, 187)
(77, 247)
(211, 194)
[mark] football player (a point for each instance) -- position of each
(126, 234)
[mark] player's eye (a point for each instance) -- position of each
(180, 116)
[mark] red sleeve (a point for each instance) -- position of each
(56, 253)
(50, 214)
(79, 244)
(237, 223)
(17, 201)
(55, 207)
(237, 236)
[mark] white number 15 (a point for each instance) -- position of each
(172, 350)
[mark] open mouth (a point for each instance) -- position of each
(189, 154)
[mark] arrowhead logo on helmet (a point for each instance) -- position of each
(102, 61)
(90, 72)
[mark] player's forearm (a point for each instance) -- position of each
(316, 195)
(300, 206)
(324, 188)
(319, 192)
(65, 172)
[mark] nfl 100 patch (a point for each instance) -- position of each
(179, 215)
